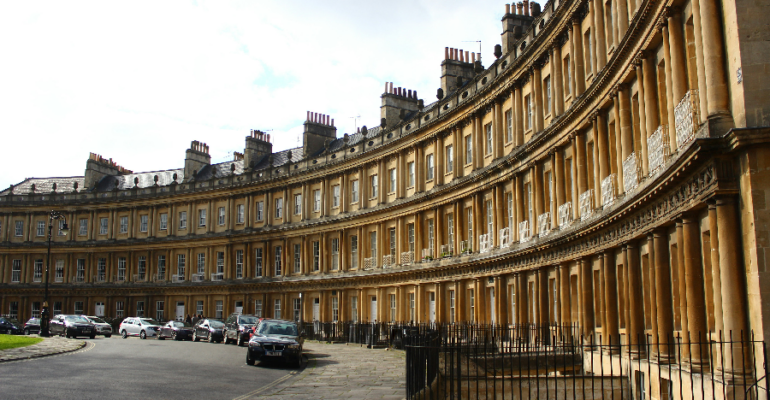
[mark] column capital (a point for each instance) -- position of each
(629, 245)
(671, 12)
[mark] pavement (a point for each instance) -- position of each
(342, 371)
(332, 371)
(48, 347)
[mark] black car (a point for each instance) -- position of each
(208, 329)
(72, 326)
(32, 326)
(238, 328)
(10, 326)
(176, 330)
(278, 340)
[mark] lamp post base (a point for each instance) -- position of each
(45, 322)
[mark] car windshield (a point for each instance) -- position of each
(77, 319)
(97, 320)
(180, 324)
(34, 321)
(277, 328)
(149, 321)
(249, 320)
(216, 324)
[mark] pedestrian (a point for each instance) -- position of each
(194, 319)
(188, 319)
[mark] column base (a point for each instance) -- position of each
(664, 359)
(697, 366)
(717, 125)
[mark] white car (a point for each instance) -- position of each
(102, 327)
(136, 326)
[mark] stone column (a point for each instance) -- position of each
(556, 69)
(670, 102)
(587, 311)
(537, 189)
(650, 85)
(714, 66)
(611, 331)
(518, 115)
(599, 37)
(622, 19)
(699, 63)
(716, 279)
(635, 322)
(618, 164)
(520, 212)
(696, 300)
(577, 57)
(677, 50)
(581, 167)
(537, 88)
(682, 279)
(642, 134)
(733, 274)
(663, 302)
(565, 303)
(558, 167)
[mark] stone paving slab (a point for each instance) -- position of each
(48, 347)
(344, 371)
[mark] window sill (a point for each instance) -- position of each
(429, 181)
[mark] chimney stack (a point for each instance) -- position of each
(258, 145)
(317, 131)
(399, 100)
(196, 158)
(97, 167)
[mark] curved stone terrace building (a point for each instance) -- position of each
(608, 169)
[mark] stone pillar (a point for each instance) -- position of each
(715, 270)
(714, 67)
(699, 63)
(681, 272)
(670, 102)
(587, 311)
(558, 80)
(663, 302)
(733, 274)
(537, 85)
(558, 167)
(635, 322)
(696, 300)
(643, 133)
(565, 303)
(600, 47)
(520, 212)
(650, 85)
(577, 57)
(622, 19)
(611, 331)
(677, 49)
(537, 189)
(618, 144)
(581, 167)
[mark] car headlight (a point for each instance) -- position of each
(293, 346)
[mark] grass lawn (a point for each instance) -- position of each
(13, 341)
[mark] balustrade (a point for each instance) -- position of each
(505, 237)
(387, 261)
(370, 263)
(138, 277)
(631, 173)
(544, 224)
(447, 250)
(465, 247)
(608, 190)
(177, 278)
(524, 231)
(586, 204)
(658, 150)
(407, 257)
(686, 118)
(218, 277)
(485, 243)
(565, 215)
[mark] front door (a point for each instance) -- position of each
(492, 304)
(99, 309)
(316, 309)
(239, 307)
(373, 315)
(432, 307)
(180, 311)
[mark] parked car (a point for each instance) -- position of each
(10, 326)
(72, 326)
(32, 326)
(238, 328)
(208, 329)
(102, 327)
(137, 326)
(278, 340)
(176, 330)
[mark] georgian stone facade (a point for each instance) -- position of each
(607, 170)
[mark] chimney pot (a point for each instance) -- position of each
(466, 57)
(446, 53)
(507, 8)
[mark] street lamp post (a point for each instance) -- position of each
(45, 316)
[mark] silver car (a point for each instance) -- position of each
(137, 326)
(102, 327)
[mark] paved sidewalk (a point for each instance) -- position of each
(48, 347)
(344, 371)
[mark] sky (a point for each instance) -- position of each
(138, 81)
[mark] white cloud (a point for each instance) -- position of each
(138, 81)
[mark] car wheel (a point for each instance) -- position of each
(211, 338)
(239, 341)
(195, 336)
(248, 359)
(173, 335)
(26, 331)
(160, 337)
(142, 335)
(123, 334)
(93, 336)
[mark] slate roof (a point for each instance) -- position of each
(45, 185)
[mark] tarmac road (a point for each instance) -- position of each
(139, 369)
